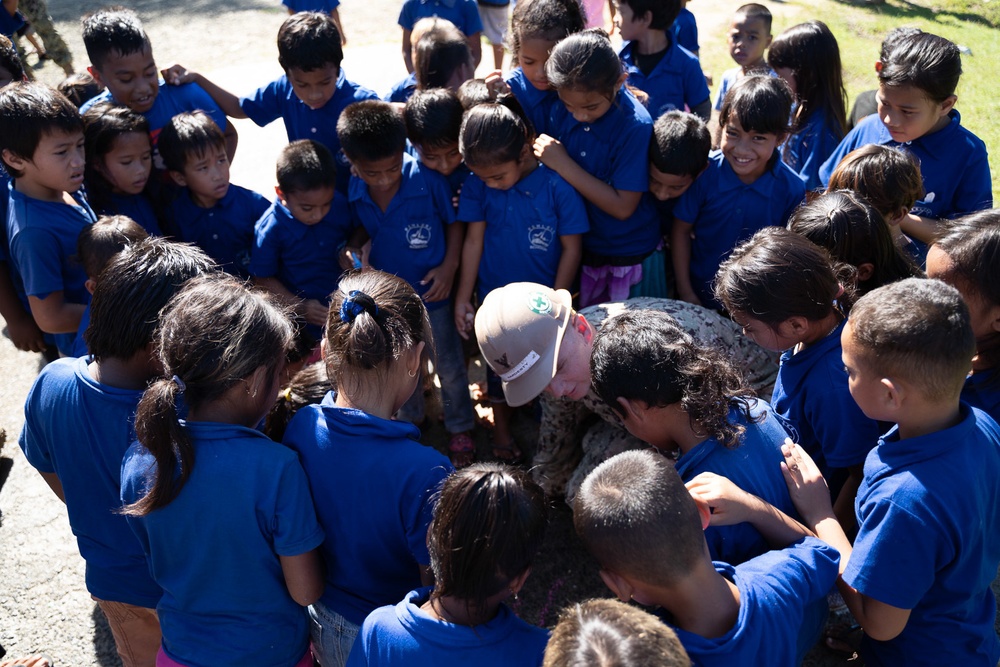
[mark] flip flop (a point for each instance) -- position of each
(461, 450)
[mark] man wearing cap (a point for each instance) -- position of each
(533, 339)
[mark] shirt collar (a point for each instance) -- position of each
(728, 180)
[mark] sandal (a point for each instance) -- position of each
(509, 453)
(461, 450)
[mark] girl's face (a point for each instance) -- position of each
(984, 315)
(504, 176)
(128, 164)
(533, 55)
(586, 106)
(748, 153)
(775, 339)
(909, 114)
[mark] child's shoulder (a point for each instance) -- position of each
(956, 138)
(241, 196)
(806, 569)
(354, 91)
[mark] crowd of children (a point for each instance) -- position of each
(200, 324)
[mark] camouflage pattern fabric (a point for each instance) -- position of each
(37, 13)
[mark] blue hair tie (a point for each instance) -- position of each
(180, 383)
(357, 302)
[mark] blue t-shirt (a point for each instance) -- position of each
(725, 211)
(80, 429)
(138, 208)
(755, 467)
(214, 549)
(224, 232)
(523, 226)
(537, 104)
(79, 348)
(675, 82)
(730, 77)
(311, 5)
(782, 608)
(686, 31)
(373, 485)
(811, 395)
(953, 164)
(278, 100)
(408, 238)
(982, 390)
(614, 149)
(463, 13)
(10, 23)
(403, 89)
(810, 147)
(929, 541)
(403, 634)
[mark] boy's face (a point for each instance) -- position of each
(909, 114)
(307, 206)
(748, 153)
(381, 176)
(748, 39)
(865, 387)
(315, 87)
(442, 159)
(629, 25)
(57, 164)
(666, 186)
(132, 79)
(206, 176)
(533, 55)
(128, 164)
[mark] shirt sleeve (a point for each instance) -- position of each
(406, 17)
(628, 173)
(695, 87)
(571, 212)
(266, 249)
(33, 440)
(470, 202)
(423, 511)
(849, 143)
(36, 256)
(975, 190)
(470, 16)
(264, 105)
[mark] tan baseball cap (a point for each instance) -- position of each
(520, 328)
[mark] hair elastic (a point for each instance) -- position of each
(357, 302)
(179, 382)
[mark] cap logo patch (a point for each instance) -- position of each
(503, 361)
(539, 303)
(522, 367)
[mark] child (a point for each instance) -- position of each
(208, 211)
(78, 425)
(119, 162)
(524, 223)
(442, 59)
(535, 28)
(612, 634)
(746, 187)
(407, 213)
(462, 13)
(678, 154)
(785, 293)
(307, 387)
(637, 519)
(966, 255)
(41, 143)
(79, 88)
(215, 504)
(685, 29)
(807, 57)
(433, 120)
(358, 458)
(402, 90)
(121, 59)
(689, 402)
(865, 103)
(488, 525)
(929, 507)
(748, 38)
(495, 16)
(297, 241)
(656, 64)
(854, 233)
(598, 130)
(916, 101)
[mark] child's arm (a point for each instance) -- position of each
(472, 252)
(919, 227)
(303, 576)
(442, 277)
(54, 315)
(24, 333)
(680, 253)
(52, 480)
(569, 261)
(177, 75)
(476, 47)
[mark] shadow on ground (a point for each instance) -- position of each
(68, 10)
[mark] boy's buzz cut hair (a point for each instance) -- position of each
(680, 144)
(919, 331)
(308, 41)
(371, 130)
(752, 10)
(99, 242)
(28, 112)
(191, 133)
(113, 30)
(663, 13)
(636, 517)
(433, 118)
(305, 165)
(9, 59)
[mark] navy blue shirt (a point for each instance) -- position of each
(686, 30)
(806, 150)
(537, 104)
(463, 13)
(403, 89)
(676, 81)
(138, 208)
(982, 390)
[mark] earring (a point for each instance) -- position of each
(412, 374)
(513, 593)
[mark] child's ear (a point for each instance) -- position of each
(946, 106)
(865, 271)
(178, 178)
(13, 159)
(322, 348)
(794, 326)
(91, 285)
(632, 408)
(527, 151)
(617, 584)
(621, 81)
(893, 393)
(995, 318)
(280, 195)
(94, 72)
(414, 358)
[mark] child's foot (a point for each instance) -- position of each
(508, 453)
(461, 450)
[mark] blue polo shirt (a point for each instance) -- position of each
(929, 541)
(614, 149)
(811, 395)
(214, 549)
(403, 89)
(523, 227)
(725, 211)
(80, 429)
(463, 13)
(754, 466)
(374, 487)
(953, 164)
(403, 634)
(326, 6)
(982, 390)
(79, 348)
(810, 147)
(675, 82)
(537, 104)
(278, 100)
(224, 232)
(685, 31)
(138, 208)
(408, 239)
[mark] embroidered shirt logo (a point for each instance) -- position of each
(540, 237)
(418, 236)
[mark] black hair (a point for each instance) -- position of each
(488, 526)
(103, 124)
(585, 61)
(439, 54)
(495, 133)
(760, 103)
(925, 61)
(663, 13)
(371, 130)
(433, 117)
(550, 20)
(680, 144)
(186, 135)
(473, 92)
(854, 233)
(893, 37)
(214, 333)
(308, 41)
(113, 30)
(79, 88)
(10, 60)
(754, 11)
(887, 177)
(132, 289)
(308, 387)
(99, 242)
(29, 112)
(305, 165)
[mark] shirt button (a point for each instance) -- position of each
(215, 237)
(583, 153)
(586, 128)
(313, 130)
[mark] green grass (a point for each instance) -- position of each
(859, 30)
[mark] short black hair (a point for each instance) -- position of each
(9, 59)
(113, 30)
(371, 130)
(433, 117)
(663, 12)
(30, 111)
(925, 61)
(680, 144)
(753, 10)
(99, 242)
(186, 134)
(760, 103)
(309, 41)
(305, 165)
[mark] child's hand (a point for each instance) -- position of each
(729, 503)
(349, 258)
(551, 152)
(314, 311)
(177, 75)
(25, 334)
(806, 485)
(440, 279)
(495, 84)
(465, 319)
